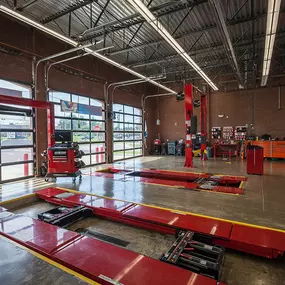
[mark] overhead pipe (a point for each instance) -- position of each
(127, 84)
(47, 69)
(35, 68)
(143, 99)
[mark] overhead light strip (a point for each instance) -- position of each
(74, 43)
(271, 28)
(155, 23)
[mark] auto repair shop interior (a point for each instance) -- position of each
(142, 142)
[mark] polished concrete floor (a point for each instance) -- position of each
(19, 267)
(262, 203)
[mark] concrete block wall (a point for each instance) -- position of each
(259, 107)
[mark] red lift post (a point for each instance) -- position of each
(188, 93)
(203, 118)
(190, 134)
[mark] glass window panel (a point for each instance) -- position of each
(15, 122)
(55, 96)
(118, 155)
(97, 158)
(118, 145)
(97, 147)
(80, 125)
(81, 137)
(118, 126)
(97, 126)
(16, 138)
(129, 127)
(84, 100)
(128, 109)
(118, 117)
(86, 159)
(138, 128)
(80, 116)
(137, 111)
(97, 137)
(118, 136)
(138, 144)
(16, 155)
(94, 102)
(129, 145)
(85, 148)
(138, 152)
(129, 153)
(129, 136)
(100, 117)
(118, 108)
(128, 119)
(16, 171)
(137, 120)
(15, 89)
(57, 112)
(62, 124)
(138, 136)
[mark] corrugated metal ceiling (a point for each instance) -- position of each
(198, 34)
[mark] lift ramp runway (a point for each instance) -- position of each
(214, 183)
(97, 260)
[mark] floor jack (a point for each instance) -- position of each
(189, 250)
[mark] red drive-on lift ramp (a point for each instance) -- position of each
(256, 240)
(187, 180)
(100, 261)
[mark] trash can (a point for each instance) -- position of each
(254, 163)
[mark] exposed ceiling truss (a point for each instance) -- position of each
(224, 37)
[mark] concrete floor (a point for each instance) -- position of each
(262, 204)
(19, 267)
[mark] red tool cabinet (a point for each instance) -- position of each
(254, 160)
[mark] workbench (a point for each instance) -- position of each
(272, 149)
(226, 149)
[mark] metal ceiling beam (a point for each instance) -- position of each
(25, 5)
(185, 34)
(101, 14)
(70, 8)
(219, 15)
(135, 19)
(203, 50)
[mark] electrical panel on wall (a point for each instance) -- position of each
(228, 133)
(216, 132)
(240, 133)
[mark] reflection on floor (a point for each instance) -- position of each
(262, 203)
(19, 267)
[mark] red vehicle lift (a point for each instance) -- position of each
(247, 238)
(184, 180)
(190, 131)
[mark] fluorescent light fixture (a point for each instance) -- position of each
(74, 43)
(271, 27)
(153, 21)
